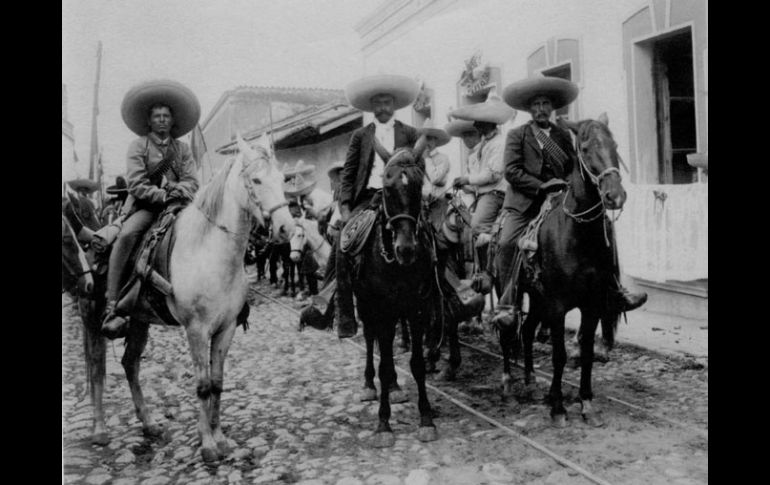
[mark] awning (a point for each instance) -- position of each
(306, 127)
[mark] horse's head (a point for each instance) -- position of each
(298, 240)
(401, 197)
(599, 159)
(264, 188)
(76, 271)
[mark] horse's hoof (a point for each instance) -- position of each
(593, 420)
(209, 455)
(448, 374)
(559, 420)
(152, 430)
(101, 438)
(384, 439)
(398, 396)
(427, 433)
(224, 448)
(507, 385)
(368, 394)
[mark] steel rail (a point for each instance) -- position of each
(528, 441)
(695, 429)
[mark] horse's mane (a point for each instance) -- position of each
(209, 198)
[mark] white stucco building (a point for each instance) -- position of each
(643, 62)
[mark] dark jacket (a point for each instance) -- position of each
(523, 161)
(360, 158)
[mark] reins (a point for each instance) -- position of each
(582, 217)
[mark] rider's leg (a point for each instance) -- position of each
(623, 298)
(133, 228)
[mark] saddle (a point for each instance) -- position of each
(151, 275)
(356, 232)
(528, 241)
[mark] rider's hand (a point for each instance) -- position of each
(553, 185)
(344, 213)
(460, 181)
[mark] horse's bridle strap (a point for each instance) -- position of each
(276, 207)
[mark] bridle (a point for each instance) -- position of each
(307, 241)
(596, 180)
(252, 200)
(390, 219)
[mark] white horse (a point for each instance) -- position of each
(306, 237)
(209, 284)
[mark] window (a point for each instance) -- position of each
(675, 107)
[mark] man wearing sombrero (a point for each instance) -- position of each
(159, 170)
(538, 157)
(486, 167)
(118, 193)
(362, 174)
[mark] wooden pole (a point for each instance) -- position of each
(94, 154)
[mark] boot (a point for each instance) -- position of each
(627, 300)
(347, 326)
(113, 325)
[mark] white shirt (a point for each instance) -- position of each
(386, 135)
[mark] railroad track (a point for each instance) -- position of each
(689, 427)
(469, 409)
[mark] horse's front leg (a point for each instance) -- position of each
(559, 359)
(198, 339)
(449, 373)
(96, 360)
(386, 330)
(369, 392)
(427, 431)
(220, 344)
(136, 342)
(528, 339)
(588, 323)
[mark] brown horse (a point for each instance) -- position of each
(394, 278)
(573, 267)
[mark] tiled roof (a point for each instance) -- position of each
(302, 127)
(326, 95)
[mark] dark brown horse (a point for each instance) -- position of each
(573, 267)
(393, 278)
(88, 289)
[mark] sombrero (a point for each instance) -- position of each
(336, 166)
(119, 188)
(458, 127)
(428, 129)
(183, 102)
(493, 110)
(301, 168)
(560, 91)
(404, 89)
(83, 184)
(298, 185)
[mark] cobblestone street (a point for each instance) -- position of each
(291, 408)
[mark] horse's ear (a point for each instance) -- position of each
(419, 146)
(566, 124)
(603, 119)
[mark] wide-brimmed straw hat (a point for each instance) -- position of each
(119, 188)
(403, 89)
(458, 127)
(301, 168)
(493, 110)
(560, 91)
(183, 102)
(83, 184)
(429, 129)
(336, 167)
(298, 185)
